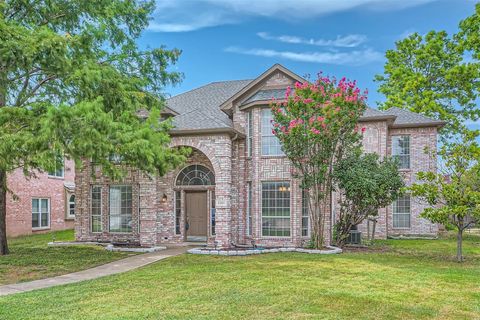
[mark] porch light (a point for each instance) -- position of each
(164, 198)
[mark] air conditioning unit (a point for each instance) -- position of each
(355, 237)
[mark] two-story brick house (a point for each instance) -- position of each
(43, 202)
(236, 186)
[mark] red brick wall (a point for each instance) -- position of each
(19, 211)
(227, 157)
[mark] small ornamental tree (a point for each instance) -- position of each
(454, 192)
(316, 124)
(366, 184)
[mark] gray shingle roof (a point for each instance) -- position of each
(405, 117)
(200, 108)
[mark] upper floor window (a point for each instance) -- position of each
(59, 169)
(270, 144)
(401, 212)
(249, 133)
(401, 150)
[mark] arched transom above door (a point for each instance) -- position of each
(195, 175)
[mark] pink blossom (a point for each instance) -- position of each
(308, 100)
(288, 92)
(363, 129)
(315, 131)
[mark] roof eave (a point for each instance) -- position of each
(188, 132)
(377, 118)
(438, 124)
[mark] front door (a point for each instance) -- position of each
(197, 215)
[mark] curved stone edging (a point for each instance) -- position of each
(332, 250)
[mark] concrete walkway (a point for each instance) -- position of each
(115, 267)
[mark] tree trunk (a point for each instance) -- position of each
(3, 174)
(3, 213)
(459, 245)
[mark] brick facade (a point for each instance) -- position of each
(226, 155)
(56, 189)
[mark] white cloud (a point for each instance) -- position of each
(189, 15)
(358, 57)
(348, 41)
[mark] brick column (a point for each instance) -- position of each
(223, 193)
(147, 211)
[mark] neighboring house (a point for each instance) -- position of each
(236, 186)
(45, 202)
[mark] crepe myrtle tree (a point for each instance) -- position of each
(365, 183)
(316, 124)
(454, 192)
(72, 82)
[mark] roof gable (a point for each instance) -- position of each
(276, 77)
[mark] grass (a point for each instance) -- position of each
(403, 279)
(30, 258)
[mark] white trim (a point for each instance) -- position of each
(279, 217)
(109, 208)
(101, 209)
(40, 227)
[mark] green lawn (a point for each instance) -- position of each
(404, 279)
(30, 258)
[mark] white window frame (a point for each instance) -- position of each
(266, 134)
(395, 150)
(249, 222)
(305, 216)
(101, 209)
(40, 214)
(69, 203)
(289, 217)
(120, 214)
(213, 213)
(177, 204)
(249, 133)
(409, 213)
(54, 174)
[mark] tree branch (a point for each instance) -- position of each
(34, 89)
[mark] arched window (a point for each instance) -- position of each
(71, 207)
(195, 175)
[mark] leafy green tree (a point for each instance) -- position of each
(72, 82)
(317, 126)
(436, 75)
(365, 184)
(454, 192)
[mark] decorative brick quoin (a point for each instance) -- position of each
(236, 187)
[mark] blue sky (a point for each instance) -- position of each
(224, 40)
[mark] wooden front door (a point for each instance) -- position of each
(197, 214)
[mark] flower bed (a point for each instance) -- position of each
(250, 251)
